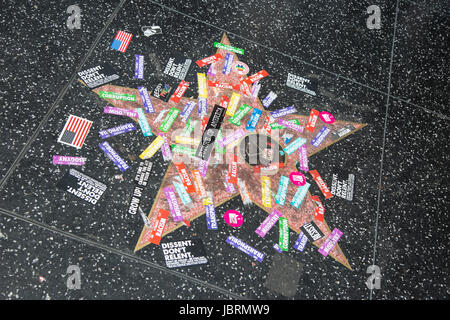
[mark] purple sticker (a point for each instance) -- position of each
(203, 167)
(269, 99)
(174, 207)
(330, 242)
(68, 160)
(290, 125)
(114, 156)
(317, 140)
(116, 130)
(268, 223)
(187, 110)
(165, 149)
(283, 112)
(228, 63)
(303, 154)
(239, 244)
(202, 105)
(212, 70)
(211, 220)
(255, 90)
(301, 242)
(148, 105)
(232, 137)
(229, 187)
(139, 67)
(121, 112)
(277, 247)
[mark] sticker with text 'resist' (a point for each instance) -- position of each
(330, 242)
(302, 84)
(81, 186)
(162, 91)
(268, 223)
(69, 161)
(233, 218)
(177, 66)
(219, 45)
(242, 246)
(343, 187)
(179, 92)
(321, 184)
(148, 105)
(184, 253)
(108, 133)
(312, 231)
(312, 121)
(99, 75)
(120, 112)
(319, 210)
(75, 131)
(185, 178)
(283, 240)
(208, 60)
(139, 67)
(114, 156)
(117, 96)
(143, 123)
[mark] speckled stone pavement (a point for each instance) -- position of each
(394, 79)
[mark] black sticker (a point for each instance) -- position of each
(162, 91)
(177, 66)
(98, 75)
(343, 185)
(308, 86)
(312, 231)
(184, 253)
(81, 186)
(210, 134)
(342, 131)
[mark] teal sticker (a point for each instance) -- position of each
(300, 195)
(280, 198)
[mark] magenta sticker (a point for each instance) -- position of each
(326, 117)
(233, 218)
(297, 178)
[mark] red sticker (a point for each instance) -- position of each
(255, 77)
(181, 89)
(208, 60)
(185, 178)
(233, 170)
(322, 185)
(297, 178)
(223, 85)
(319, 211)
(158, 227)
(311, 125)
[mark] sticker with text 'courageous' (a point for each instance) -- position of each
(82, 186)
(184, 253)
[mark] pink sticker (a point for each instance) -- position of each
(326, 117)
(233, 218)
(297, 178)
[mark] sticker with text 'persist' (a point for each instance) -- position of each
(233, 218)
(81, 186)
(321, 184)
(179, 92)
(184, 253)
(268, 223)
(162, 91)
(242, 246)
(114, 156)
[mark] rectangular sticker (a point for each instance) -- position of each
(143, 123)
(312, 231)
(181, 190)
(232, 105)
(139, 67)
(242, 246)
(185, 178)
(243, 110)
(210, 133)
(117, 96)
(202, 106)
(236, 135)
(223, 85)
(268, 223)
(169, 120)
(179, 92)
(172, 201)
(177, 66)
(303, 158)
(300, 195)
(342, 131)
(256, 77)
(254, 118)
(202, 90)
(302, 84)
(243, 191)
(228, 63)
(233, 170)
(187, 110)
(317, 140)
(269, 99)
(98, 76)
(319, 210)
(75, 131)
(152, 148)
(228, 48)
(291, 125)
(114, 156)
(82, 186)
(321, 184)
(283, 240)
(294, 145)
(120, 112)
(165, 149)
(300, 243)
(343, 187)
(283, 112)
(266, 192)
(211, 219)
(280, 198)
(330, 242)
(108, 133)
(208, 60)
(69, 161)
(162, 91)
(198, 184)
(184, 253)
(158, 228)
(312, 121)
(145, 97)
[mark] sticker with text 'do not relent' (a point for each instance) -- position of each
(184, 253)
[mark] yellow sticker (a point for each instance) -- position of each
(207, 201)
(152, 148)
(266, 192)
(202, 90)
(186, 140)
(232, 105)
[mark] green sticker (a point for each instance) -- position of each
(283, 241)
(176, 148)
(219, 148)
(189, 127)
(276, 126)
(229, 48)
(117, 96)
(169, 120)
(243, 110)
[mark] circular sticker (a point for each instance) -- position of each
(240, 67)
(326, 117)
(297, 178)
(233, 218)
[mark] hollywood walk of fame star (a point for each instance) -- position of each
(216, 174)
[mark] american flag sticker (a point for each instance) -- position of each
(121, 41)
(75, 131)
